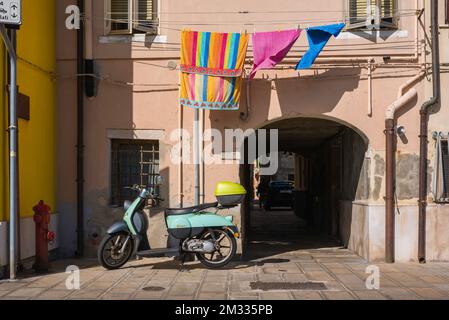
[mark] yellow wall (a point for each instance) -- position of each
(37, 60)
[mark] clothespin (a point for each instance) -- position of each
(298, 27)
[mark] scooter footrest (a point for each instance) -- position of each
(157, 253)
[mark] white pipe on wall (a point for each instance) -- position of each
(180, 166)
(202, 167)
(409, 82)
(399, 103)
(370, 86)
(403, 96)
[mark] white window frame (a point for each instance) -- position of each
(132, 21)
(440, 195)
(374, 19)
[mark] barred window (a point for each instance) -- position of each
(372, 14)
(132, 162)
(131, 16)
(441, 171)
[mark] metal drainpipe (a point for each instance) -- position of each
(390, 172)
(196, 146)
(80, 135)
(19, 267)
(245, 115)
(13, 178)
(180, 166)
(390, 159)
(424, 113)
(390, 181)
(203, 165)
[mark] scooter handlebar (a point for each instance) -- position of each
(147, 193)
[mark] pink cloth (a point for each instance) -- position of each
(271, 47)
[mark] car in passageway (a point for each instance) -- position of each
(279, 194)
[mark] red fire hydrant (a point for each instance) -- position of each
(43, 236)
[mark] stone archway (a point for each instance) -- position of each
(329, 172)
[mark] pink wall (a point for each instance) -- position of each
(335, 90)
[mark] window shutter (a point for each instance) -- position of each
(387, 12)
(119, 15)
(387, 8)
(145, 10)
(147, 19)
(357, 11)
(372, 13)
(441, 170)
(445, 167)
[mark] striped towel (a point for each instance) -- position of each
(211, 69)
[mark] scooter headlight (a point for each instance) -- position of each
(126, 204)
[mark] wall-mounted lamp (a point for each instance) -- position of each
(400, 130)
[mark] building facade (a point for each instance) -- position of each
(331, 116)
(36, 67)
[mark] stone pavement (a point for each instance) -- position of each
(286, 256)
(341, 272)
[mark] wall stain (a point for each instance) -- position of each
(407, 176)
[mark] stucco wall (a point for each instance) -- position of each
(338, 92)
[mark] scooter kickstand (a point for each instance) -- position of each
(183, 260)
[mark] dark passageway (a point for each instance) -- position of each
(327, 171)
(281, 231)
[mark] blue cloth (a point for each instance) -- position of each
(318, 38)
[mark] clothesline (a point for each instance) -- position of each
(251, 12)
(295, 22)
(377, 75)
(247, 22)
(288, 21)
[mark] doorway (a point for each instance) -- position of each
(322, 165)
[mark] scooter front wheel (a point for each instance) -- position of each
(115, 250)
(225, 248)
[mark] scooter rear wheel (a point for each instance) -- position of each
(226, 248)
(108, 251)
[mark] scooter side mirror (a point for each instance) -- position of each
(160, 180)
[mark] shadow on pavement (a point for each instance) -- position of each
(278, 232)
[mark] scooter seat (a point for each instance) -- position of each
(195, 209)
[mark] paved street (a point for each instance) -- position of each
(287, 265)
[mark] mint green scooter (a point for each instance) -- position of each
(196, 230)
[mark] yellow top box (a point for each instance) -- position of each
(229, 189)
